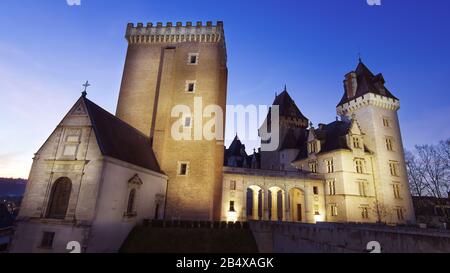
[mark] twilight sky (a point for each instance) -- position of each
(48, 49)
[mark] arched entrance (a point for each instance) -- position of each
(59, 198)
(297, 205)
(254, 203)
(276, 204)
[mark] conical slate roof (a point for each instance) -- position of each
(367, 82)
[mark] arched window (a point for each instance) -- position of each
(59, 198)
(131, 199)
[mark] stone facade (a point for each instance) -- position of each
(162, 61)
(96, 215)
(358, 161)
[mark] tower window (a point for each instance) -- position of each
(330, 166)
(386, 122)
(232, 206)
(389, 144)
(356, 143)
(316, 190)
(232, 185)
(183, 168)
(393, 168)
(190, 86)
(334, 210)
(396, 188)
(362, 185)
(187, 122)
(193, 58)
(47, 240)
(359, 164)
(365, 213)
(332, 187)
(400, 215)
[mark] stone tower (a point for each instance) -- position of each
(292, 132)
(170, 65)
(367, 100)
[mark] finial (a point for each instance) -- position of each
(337, 118)
(311, 124)
(276, 94)
(359, 57)
(285, 88)
(86, 85)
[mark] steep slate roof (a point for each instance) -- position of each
(289, 141)
(120, 140)
(332, 137)
(367, 82)
(235, 148)
(288, 108)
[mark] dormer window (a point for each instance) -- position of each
(356, 142)
(312, 147)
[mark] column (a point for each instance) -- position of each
(255, 204)
(266, 205)
(274, 208)
(244, 205)
(287, 202)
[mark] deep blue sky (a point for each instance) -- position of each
(47, 50)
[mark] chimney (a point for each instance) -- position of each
(350, 84)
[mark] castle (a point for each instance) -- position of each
(98, 175)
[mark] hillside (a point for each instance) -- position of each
(10, 186)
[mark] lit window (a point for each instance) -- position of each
(365, 213)
(183, 169)
(393, 167)
(232, 185)
(334, 210)
(47, 240)
(193, 58)
(356, 143)
(330, 166)
(359, 166)
(389, 144)
(396, 188)
(332, 187)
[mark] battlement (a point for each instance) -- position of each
(175, 33)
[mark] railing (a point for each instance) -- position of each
(195, 224)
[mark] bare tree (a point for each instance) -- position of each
(417, 183)
(433, 170)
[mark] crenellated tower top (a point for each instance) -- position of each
(175, 33)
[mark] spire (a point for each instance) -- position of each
(86, 85)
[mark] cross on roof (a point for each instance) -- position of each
(85, 85)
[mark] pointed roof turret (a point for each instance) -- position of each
(363, 81)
